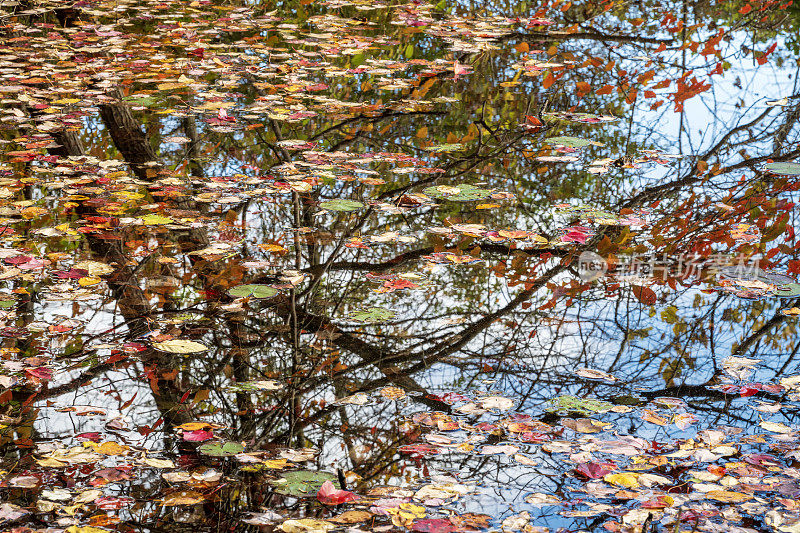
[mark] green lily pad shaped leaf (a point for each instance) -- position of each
(789, 290)
(221, 449)
(573, 404)
(253, 291)
(372, 314)
(341, 205)
(784, 169)
(181, 346)
(441, 148)
(302, 483)
(459, 193)
(572, 142)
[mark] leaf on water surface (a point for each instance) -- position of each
(586, 406)
(302, 483)
(393, 393)
(358, 398)
(156, 220)
(573, 142)
(262, 519)
(442, 148)
(459, 193)
(591, 373)
(372, 315)
(351, 517)
(727, 496)
(10, 512)
(197, 435)
(183, 497)
(496, 402)
(180, 346)
(539, 499)
(592, 470)
(94, 268)
(629, 480)
(645, 295)
(253, 291)
(306, 525)
(255, 385)
(784, 168)
(775, 427)
(221, 449)
(433, 525)
(585, 425)
(328, 494)
(341, 205)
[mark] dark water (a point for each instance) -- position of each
(489, 267)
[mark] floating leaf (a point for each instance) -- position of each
(727, 496)
(372, 314)
(180, 346)
(784, 168)
(459, 193)
(441, 148)
(302, 483)
(253, 291)
(221, 449)
(572, 142)
(341, 205)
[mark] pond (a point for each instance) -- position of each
(348, 265)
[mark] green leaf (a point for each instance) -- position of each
(459, 193)
(573, 404)
(440, 148)
(221, 449)
(253, 291)
(572, 142)
(788, 291)
(302, 483)
(341, 205)
(784, 169)
(145, 101)
(372, 314)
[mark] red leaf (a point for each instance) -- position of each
(330, 495)
(198, 435)
(644, 294)
(595, 470)
(434, 525)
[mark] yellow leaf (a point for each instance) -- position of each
(728, 496)
(85, 529)
(422, 132)
(623, 479)
(88, 281)
(276, 463)
(107, 448)
(306, 525)
(194, 426)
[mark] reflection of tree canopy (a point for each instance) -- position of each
(184, 151)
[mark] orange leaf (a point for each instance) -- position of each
(644, 294)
